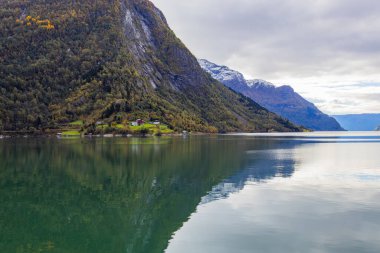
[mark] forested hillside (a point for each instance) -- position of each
(109, 60)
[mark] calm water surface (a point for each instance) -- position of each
(315, 192)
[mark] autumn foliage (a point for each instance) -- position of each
(35, 21)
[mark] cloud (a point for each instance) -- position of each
(304, 43)
(347, 99)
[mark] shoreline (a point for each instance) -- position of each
(111, 135)
(58, 136)
(318, 134)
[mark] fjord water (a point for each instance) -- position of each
(315, 192)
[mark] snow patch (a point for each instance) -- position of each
(227, 75)
(221, 73)
(258, 83)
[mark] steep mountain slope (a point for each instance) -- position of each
(107, 59)
(359, 122)
(281, 100)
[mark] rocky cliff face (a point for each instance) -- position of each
(63, 61)
(281, 100)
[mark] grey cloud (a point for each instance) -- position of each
(351, 86)
(369, 96)
(281, 39)
(347, 102)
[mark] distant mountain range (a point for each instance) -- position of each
(359, 122)
(283, 100)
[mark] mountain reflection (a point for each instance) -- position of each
(261, 165)
(118, 195)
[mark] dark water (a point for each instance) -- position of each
(248, 193)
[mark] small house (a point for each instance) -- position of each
(138, 122)
(156, 122)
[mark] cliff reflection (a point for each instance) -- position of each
(116, 195)
(261, 165)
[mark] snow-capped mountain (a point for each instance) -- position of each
(225, 75)
(282, 100)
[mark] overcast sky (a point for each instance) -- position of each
(328, 50)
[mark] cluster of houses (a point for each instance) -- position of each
(140, 122)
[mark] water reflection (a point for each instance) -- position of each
(314, 194)
(114, 195)
(261, 165)
(132, 195)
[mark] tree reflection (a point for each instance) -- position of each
(116, 195)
